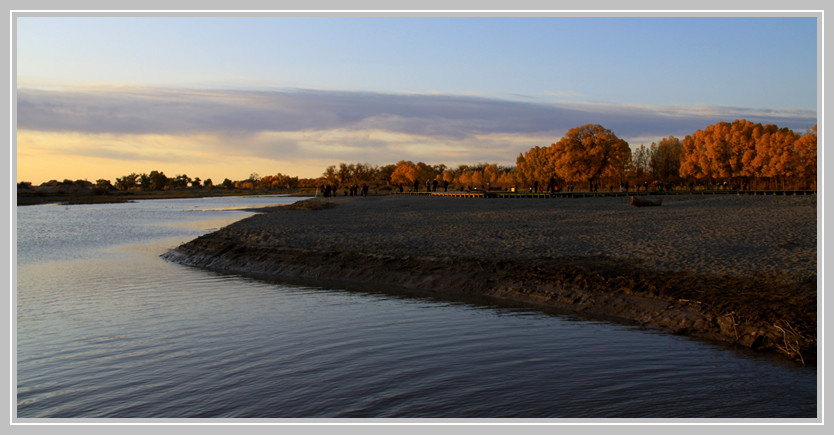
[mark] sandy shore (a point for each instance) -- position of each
(740, 269)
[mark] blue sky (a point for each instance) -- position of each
(294, 95)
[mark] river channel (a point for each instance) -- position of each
(105, 328)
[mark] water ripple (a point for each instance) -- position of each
(117, 332)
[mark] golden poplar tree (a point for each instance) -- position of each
(536, 165)
(806, 150)
(588, 153)
(743, 150)
(405, 173)
(718, 150)
(693, 159)
(783, 166)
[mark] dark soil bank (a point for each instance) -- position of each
(322, 240)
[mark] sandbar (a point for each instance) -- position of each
(737, 269)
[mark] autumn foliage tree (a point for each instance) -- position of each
(481, 176)
(590, 152)
(806, 157)
(404, 173)
(743, 151)
(535, 166)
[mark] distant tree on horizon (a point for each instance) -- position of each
(742, 152)
(127, 182)
(179, 182)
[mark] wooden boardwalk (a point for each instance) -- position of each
(541, 195)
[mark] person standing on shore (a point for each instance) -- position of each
(416, 185)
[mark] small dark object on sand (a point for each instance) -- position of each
(637, 202)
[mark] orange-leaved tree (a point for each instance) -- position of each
(806, 160)
(782, 162)
(588, 153)
(536, 165)
(743, 150)
(717, 151)
(404, 173)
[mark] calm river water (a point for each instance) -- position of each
(106, 328)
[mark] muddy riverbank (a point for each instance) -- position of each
(739, 270)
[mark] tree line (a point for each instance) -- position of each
(746, 152)
(742, 154)
(157, 180)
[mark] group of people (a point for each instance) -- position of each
(327, 190)
(552, 186)
(431, 186)
(353, 190)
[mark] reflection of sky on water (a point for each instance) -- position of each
(106, 328)
(44, 231)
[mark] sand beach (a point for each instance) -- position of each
(736, 269)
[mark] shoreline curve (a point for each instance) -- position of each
(693, 267)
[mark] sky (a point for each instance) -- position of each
(225, 97)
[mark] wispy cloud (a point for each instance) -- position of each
(183, 111)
